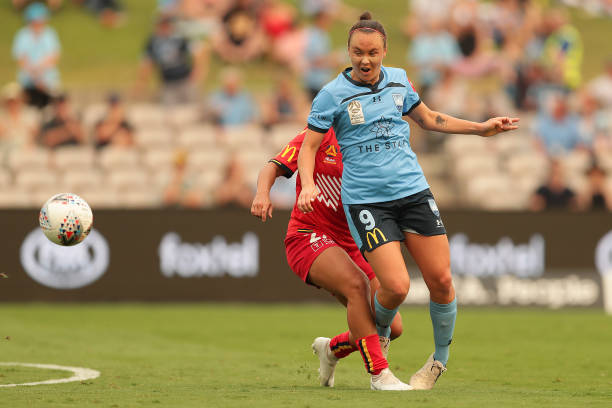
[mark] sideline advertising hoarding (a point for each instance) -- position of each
(509, 259)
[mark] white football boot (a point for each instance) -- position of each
(327, 361)
(426, 377)
(384, 345)
(386, 381)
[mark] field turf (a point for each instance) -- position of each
(215, 355)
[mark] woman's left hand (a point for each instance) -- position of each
(494, 126)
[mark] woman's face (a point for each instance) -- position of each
(366, 51)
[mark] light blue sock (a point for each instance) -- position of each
(443, 321)
(384, 317)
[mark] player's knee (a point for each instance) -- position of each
(443, 284)
(398, 290)
(357, 286)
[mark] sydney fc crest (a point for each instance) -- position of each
(399, 101)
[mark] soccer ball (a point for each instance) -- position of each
(66, 219)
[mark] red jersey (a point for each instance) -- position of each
(328, 213)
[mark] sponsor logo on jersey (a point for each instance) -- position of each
(382, 128)
(331, 154)
(399, 101)
(290, 151)
(355, 113)
(373, 236)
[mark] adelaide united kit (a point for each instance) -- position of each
(308, 235)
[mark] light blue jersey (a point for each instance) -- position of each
(379, 164)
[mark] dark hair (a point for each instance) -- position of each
(366, 24)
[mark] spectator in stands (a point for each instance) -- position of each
(240, 37)
(601, 86)
(198, 20)
(232, 105)
(36, 48)
(318, 55)
(114, 128)
(234, 190)
(63, 129)
(433, 50)
(563, 50)
(109, 12)
(596, 196)
(336, 8)
(180, 191)
(178, 67)
(594, 122)
(18, 124)
(554, 194)
(285, 104)
(557, 127)
(277, 18)
(52, 4)
(423, 12)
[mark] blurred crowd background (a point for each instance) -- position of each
(217, 87)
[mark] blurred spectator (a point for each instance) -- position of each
(168, 7)
(63, 129)
(335, 8)
(109, 12)
(596, 197)
(177, 65)
(432, 50)
(52, 4)
(198, 20)
(277, 18)
(554, 194)
(240, 37)
(319, 59)
(601, 86)
(36, 48)
(594, 122)
(18, 124)
(423, 12)
(114, 127)
(557, 128)
(285, 104)
(233, 189)
(180, 191)
(232, 105)
(563, 49)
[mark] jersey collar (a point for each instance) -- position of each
(347, 75)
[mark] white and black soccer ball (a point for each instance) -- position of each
(66, 219)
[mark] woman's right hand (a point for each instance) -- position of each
(307, 196)
(262, 206)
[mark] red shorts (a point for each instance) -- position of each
(302, 248)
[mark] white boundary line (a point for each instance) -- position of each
(80, 374)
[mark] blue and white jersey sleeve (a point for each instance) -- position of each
(322, 112)
(412, 99)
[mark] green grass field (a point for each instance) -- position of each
(215, 355)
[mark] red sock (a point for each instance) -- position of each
(369, 346)
(341, 345)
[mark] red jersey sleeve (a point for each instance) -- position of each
(287, 158)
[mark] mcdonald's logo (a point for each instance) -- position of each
(288, 149)
(374, 235)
